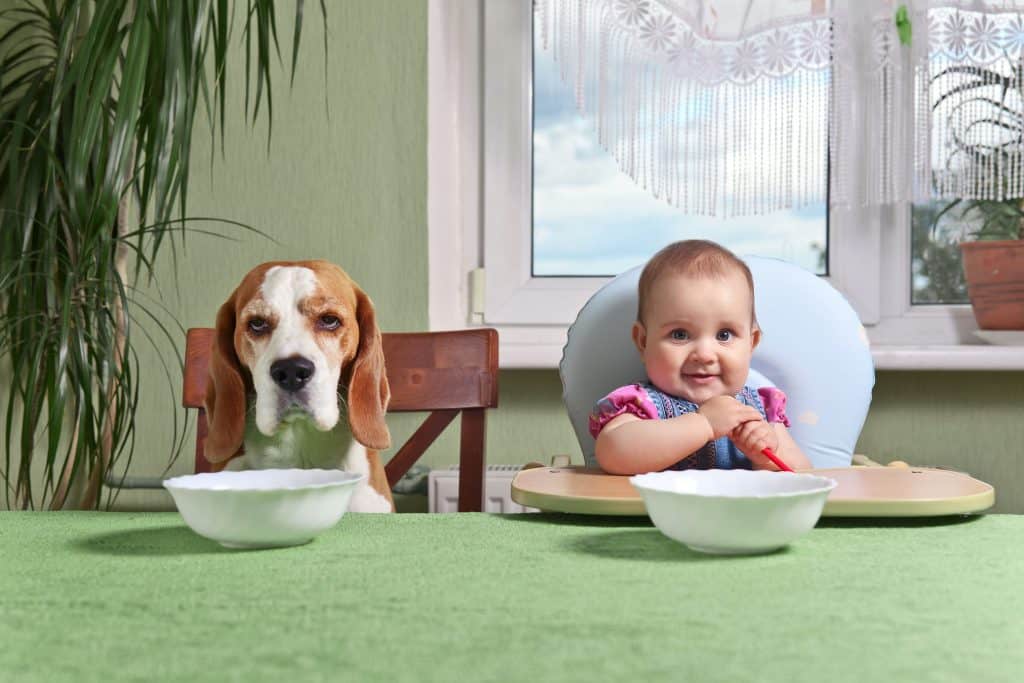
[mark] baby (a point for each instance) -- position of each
(696, 331)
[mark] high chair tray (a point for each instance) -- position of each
(861, 492)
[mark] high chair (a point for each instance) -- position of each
(813, 347)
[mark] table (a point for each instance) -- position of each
(467, 597)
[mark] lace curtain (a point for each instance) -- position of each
(734, 107)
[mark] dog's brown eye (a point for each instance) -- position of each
(258, 325)
(328, 322)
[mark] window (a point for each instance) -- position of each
(591, 219)
(937, 275)
(976, 115)
(491, 260)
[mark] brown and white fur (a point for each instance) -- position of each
(292, 340)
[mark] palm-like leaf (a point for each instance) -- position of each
(97, 104)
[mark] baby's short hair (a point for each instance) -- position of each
(699, 258)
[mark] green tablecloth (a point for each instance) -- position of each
(109, 596)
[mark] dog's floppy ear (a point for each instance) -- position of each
(225, 392)
(368, 390)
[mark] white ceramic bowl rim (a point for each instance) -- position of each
(264, 480)
(670, 482)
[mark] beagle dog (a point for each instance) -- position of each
(296, 346)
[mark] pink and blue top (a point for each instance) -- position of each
(648, 402)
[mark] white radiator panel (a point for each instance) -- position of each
(443, 490)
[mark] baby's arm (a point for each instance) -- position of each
(630, 445)
(788, 449)
(772, 434)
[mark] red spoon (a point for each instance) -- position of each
(775, 459)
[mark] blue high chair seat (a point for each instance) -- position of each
(813, 347)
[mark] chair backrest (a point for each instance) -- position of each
(813, 347)
(442, 372)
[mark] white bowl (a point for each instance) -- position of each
(263, 508)
(733, 512)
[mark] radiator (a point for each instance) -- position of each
(443, 490)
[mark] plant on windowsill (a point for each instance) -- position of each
(993, 256)
(97, 104)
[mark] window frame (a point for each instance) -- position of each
(480, 219)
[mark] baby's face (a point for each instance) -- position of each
(697, 337)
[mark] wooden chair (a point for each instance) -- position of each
(442, 372)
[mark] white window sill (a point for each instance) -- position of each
(524, 347)
(962, 357)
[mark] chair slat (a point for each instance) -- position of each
(416, 389)
(198, 342)
(471, 459)
(421, 439)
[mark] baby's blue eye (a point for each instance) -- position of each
(679, 335)
(724, 335)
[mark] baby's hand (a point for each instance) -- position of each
(725, 414)
(752, 438)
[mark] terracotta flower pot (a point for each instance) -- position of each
(995, 282)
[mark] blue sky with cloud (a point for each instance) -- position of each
(592, 219)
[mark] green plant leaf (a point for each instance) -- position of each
(97, 108)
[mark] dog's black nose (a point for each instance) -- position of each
(291, 374)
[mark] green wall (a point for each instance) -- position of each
(969, 421)
(351, 187)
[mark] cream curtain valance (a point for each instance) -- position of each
(746, 106)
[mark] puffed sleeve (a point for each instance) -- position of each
(630, 399)
(774, 401)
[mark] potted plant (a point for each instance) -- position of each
(994, 265)
(985, 110)
(97, 104)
